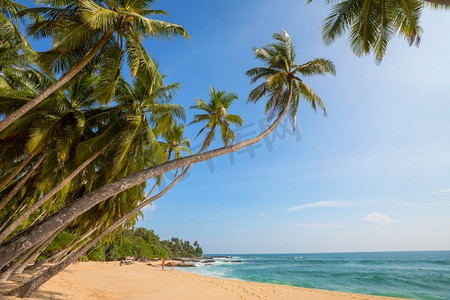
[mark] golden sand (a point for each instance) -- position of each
(109, 281)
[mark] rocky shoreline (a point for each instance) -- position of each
(189, 262)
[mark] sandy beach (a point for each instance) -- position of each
(102, 281)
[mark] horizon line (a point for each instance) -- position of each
(382, 251)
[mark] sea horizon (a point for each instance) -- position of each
(336, 252)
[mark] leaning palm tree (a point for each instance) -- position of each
(174, 142)
(87, 30)
(372, 24)
(282, 85)
(216, 116)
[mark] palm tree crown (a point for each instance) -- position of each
(282, 83)
(216, 115)
(372, 24)
(76, 26)
(175, 142)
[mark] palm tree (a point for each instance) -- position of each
(16, 54)
(175, 142)
(216, 116)
(281, 84)
(372, 24)
(87, 29)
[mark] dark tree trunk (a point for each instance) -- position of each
(17, 170)
(19, 185)
(44, 229)
(62, 81)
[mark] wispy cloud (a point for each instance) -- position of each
(263, 215)
(150, 207)
(442, 191)
(315, 226)
(379, 218)
(320, 204)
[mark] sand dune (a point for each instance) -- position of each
(102, 281)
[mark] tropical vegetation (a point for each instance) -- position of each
(84, 147)
(139, 243)
(372, 24)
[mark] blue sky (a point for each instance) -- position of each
(374, 175)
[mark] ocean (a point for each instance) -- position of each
(417, 275)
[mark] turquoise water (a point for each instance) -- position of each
(418, 275)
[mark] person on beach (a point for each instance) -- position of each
(163, 264)
(173, 265)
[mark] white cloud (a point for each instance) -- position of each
(150, 207)
(315, 226)
(442, 191)
(379, 218)
(263, 215)
(320, 204)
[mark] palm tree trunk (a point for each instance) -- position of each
(34, 255)
(19, 185)
(28, 238)
(72, 245)
(63, 80)
(57, 255)
(29, 287)
(38, 218)
(44, 199)
(19, 168)
(5, 275)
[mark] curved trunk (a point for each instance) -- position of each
(19, 168)
(20, 184)
(63, 80)
(4, 234)
(29, 287)
(33, 235)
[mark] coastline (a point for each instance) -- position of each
(101, 281)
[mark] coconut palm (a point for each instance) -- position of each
(283, 79)
(16, 53)
(372, 24)
(174, 142)
(282, 85)
(216, 115)
(123, 133)
(87, 29)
